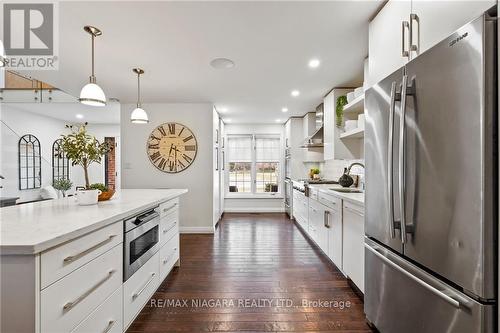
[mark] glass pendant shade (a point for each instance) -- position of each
(139, 116)
(92, 95)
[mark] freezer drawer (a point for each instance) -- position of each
(399, 297)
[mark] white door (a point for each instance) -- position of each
(353, 244)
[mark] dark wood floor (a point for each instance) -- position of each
(252, 260)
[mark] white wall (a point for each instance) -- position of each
(256, 204)
(137, 171)
(16, 121)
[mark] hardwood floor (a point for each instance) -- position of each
(252, 276)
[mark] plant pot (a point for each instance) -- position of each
(87, 197)
(106, 195)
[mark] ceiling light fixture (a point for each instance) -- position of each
(222, 63)
(295, 93)
(2, 55)
(91, 93)
(278, 120)
(222, 110)
(284, 110)
(314, 63)
(139, 116)
(79, 116)
(227, 120)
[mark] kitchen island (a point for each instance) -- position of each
(63, 265)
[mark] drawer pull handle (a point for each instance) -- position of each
(352, 210)
(109, 327)
(171, 227)
(137, 294)
(68, 306)
(169, 208)
(167, 259)
(70, 259)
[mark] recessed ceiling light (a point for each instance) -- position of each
(79, 116)
(222, 110)
(284, 110)
(227, 120)
(278, 120)
(295, 93)
(314, 63)
(222, 63)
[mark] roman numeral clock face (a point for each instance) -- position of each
(172, 147)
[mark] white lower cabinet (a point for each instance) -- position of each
(169, 254)
(64, 304)
(353, 243)
(335, 236)
(139, 287)
(107, 318)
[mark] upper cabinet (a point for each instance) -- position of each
(436, 20)
(385, 36)
(404, 29)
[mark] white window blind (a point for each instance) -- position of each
(267, 149)
(239, 148)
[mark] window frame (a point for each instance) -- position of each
(254, 194)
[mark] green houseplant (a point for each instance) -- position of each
(313, 172)
(83, 149)
(62, 185)
(106, 192)
(339, 110)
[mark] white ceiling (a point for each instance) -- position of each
(109, 114)
(270, 42)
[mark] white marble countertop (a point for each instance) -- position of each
(357, 198)
(35, 227)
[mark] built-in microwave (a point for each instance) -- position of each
(141, 240)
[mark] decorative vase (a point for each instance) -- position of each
(345, 180)
(87, 197)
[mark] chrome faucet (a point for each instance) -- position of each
(353, 164)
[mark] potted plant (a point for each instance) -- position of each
(314, 173)
(106, 194)
(84, 149)
(339, 110)
(62, 185)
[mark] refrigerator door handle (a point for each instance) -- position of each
(452, 301)
(405, 91)
(390, 155)
(414, 46)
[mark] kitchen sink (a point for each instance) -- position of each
(347, 190)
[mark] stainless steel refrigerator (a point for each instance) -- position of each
(431, 189)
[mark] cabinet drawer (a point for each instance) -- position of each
(329, 201)
(138, 289)
(353, 208)
(169, 226)
(107, 318)
(67, 302)
(64, 259)
(168, 207)
(169, 254)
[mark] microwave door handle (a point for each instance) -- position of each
(390, 164)
(146, 217)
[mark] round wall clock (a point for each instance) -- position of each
(172, 147)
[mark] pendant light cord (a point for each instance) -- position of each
(138, 90)
(92, 78)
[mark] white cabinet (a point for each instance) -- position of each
(353, 263)
(315, 222)
(385, 40)
(438, 19)
(216, 168)
(389, 31)
(294, 137)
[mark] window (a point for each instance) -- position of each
(30, 173)
(240, 164)
(60, 163)
(254, 164)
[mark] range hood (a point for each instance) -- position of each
(314, 125)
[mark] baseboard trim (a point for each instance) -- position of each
(196, 230)
(254, 210)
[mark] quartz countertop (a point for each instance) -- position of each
(35, 227)
(357, 198)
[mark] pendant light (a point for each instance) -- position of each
(91, 93)
(139, 116)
